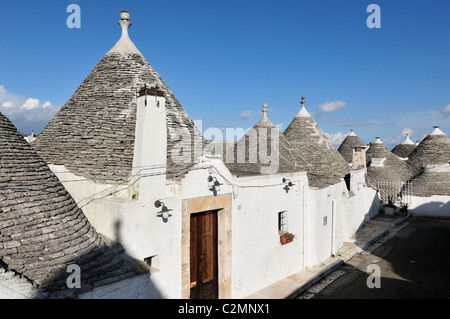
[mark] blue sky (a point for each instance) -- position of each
(224, 59)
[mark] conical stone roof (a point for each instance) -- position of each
(434, 149)
(432, 182)
(392, 168)
(348, 145)
(405, 148)
(42, 230)
(93, 133)
(327, 164)
(258, 144)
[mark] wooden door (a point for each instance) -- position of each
(203, 255)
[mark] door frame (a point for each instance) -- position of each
(223, 205)
(200, 219)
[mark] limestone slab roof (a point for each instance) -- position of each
(428, 183)
(405, 148)
(42, 230)
(433, 149)
(93, 133)
(393, 167)
(259, 143)
(348, 145)
(327, 164)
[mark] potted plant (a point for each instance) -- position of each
(403, 209)
(286, 238)
(389, 208)
(152, 89)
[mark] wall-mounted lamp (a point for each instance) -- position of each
(216, 183)
(164, 210)
(287, 182)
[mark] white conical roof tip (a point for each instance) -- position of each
(303, 112)
(124, 45)
(378, 141)
(352, 133)
(407, 140)
(437, 131)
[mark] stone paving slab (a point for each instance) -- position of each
(295, 284)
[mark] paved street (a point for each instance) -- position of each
(413, 263)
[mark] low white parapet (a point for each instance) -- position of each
(437, 168)
(378, 162)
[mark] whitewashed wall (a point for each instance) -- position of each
(362, 204)
(433, 206)
(323, 219)
(259, 259)
(345, 213)
(14, 287)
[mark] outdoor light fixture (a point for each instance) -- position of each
(287, 182)
(164, 210)
(216, 184)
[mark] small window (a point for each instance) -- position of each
(282, 222)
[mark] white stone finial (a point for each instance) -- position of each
(124, 45)
(264, 110)
(377, 140)
(302, 102)
(303, 112)
(124, 15)
(407, 140)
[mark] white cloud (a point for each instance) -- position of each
(401, 137)
(329, 107)
(336, 138)
(249, 114)
(47, 104)
(280, 126)
(446, 110)
(30, 104)
(407, 131)
(27, 112)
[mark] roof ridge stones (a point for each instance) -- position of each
(433, 149)
(265, 150)
(327, 164)
(405, 148)
(42, 229)
(348, 145)
(93, 133)
(393, 168)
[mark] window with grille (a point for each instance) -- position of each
(282, 222)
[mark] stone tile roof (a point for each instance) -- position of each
(327, 164)
(288, 158)
(42, 230)
(405, 148)
(429, 183)
(93, 133)
(434, 149)
(348, 145)
(393, 167)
